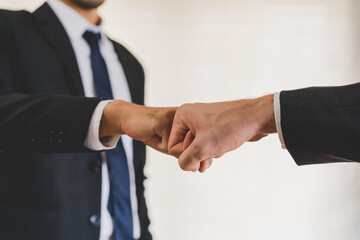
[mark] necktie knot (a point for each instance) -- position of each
(92, 39)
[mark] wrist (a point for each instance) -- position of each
(113, 118)
(265, 106)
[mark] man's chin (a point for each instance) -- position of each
(88, 4)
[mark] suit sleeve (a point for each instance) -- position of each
(44, 123)
(37, 123)
(322, 124)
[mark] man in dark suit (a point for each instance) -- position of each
(57, 68)
(316, 125)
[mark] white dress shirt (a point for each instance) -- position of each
(75, 26)
(277, 112)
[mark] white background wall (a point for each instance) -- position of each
(214, 50)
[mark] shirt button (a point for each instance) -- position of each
(94, 220)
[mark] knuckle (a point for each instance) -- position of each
(194, 167)
(168, 115)
(188, 166)
(183, 167)
(184, 107)
(180, 111)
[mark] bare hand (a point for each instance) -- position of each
(149, 125)
(218, 128)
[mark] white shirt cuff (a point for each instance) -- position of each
(277, 112)
(93, 141)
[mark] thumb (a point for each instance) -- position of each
(204, 165)
(178, 134)
(180, 147)
(189, 138)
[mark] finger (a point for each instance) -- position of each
(210, 163)
(205, 165)
(163, 124)
(182, 146)
(193, 167)
(191, 158)
(167, 122)
(178, 133)
(155, 143)
(165, 139)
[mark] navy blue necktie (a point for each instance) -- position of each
(119, 200)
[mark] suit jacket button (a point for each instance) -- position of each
(94, 220)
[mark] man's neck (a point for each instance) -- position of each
(89, 14)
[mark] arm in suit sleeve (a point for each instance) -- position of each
(322, 124)
(37, 123)
(44, 123)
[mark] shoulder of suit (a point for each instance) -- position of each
(14, 16)
(11, 20)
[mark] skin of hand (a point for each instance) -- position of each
(203, 131)
(147, 124)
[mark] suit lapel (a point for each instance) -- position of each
(55, 34)
(128, 70)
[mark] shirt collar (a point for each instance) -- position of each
(74, 24)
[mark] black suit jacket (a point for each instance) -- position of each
(322, 124)
(50, 184)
